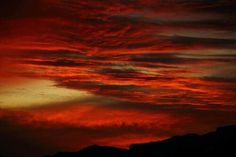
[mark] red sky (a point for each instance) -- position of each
(113, 72)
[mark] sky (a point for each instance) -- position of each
(76, 73)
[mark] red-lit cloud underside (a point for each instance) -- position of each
(154, 69)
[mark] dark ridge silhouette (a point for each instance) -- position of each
(221, 143)
(95, 151)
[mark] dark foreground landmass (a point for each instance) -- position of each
(221, 143)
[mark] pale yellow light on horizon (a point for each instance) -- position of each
(35, 93)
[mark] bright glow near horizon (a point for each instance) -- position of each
(35, 93)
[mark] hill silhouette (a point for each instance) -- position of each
(221, 143)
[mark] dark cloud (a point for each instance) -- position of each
(208, 42)
(163, 23)
(178, 59)
(97, 26)
(59, 62)
(21, 9)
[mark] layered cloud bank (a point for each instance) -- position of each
(77, 73)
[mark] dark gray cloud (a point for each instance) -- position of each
(208, 42)
(21, 8)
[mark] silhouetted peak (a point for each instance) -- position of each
(101, 149)
(229, 128)
(217, 144)
(176, 140)
(182, 138)
(96, 151)
(92, 147)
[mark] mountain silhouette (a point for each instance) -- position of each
(221, 143)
